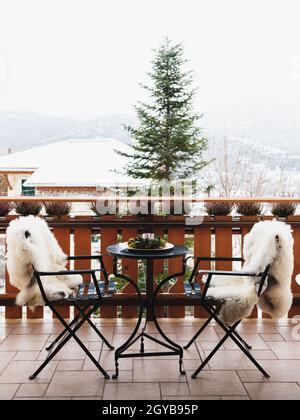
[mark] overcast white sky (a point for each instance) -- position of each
(83, 58)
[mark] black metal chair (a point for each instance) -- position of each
(86, 299)
(194, 289)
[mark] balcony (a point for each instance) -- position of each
(229, 375)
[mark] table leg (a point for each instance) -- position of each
(162, 334)
(149, 288)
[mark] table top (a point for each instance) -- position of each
(121, 251)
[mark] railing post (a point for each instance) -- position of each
(109, 236)
(176, 235)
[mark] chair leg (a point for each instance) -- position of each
(71, 334)
(211, 354)
(63, 333)
(105, 341)
(229, 332)
(198, 333)
(248, 347)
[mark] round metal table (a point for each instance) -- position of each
(120, 251)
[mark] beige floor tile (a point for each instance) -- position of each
(283, 370)
(70, 365)
(286, 350)
(124, 376)
(237, 398)
(31, 390)
(193, 364)
(125, 330)
(260, 327)
(88, 334)
(57, 398)
(290, 333)
(208, 345)
(230, 360)
(7, 391)
(186, 333)
(273, 391)
(219, 383)
(88, 364)
(252, 376)
(24, 342)
(107, 359)
(271, 337)
(209, 334)
(253, 340)
(174, 389)
(120, 339)
(45, 328)
(19, 372)
(263, 355)
(190, 353)
(156, 371)
(194, 398)
(5, 358)
(124, 391)
(4, 331)
(24, 330)
(70, 351)
(96, 346)
(76, 384)
(27, 355)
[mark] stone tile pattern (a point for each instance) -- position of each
(229, 374)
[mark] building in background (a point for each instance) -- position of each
(71, 167)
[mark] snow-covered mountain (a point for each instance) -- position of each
(22, 130)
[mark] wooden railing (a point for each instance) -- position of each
(218, 236)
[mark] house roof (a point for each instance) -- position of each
(72, 163)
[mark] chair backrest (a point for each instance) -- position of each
(269, 243)
(31, 244)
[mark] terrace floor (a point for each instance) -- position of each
(71, 376)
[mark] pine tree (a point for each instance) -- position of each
(167, 144)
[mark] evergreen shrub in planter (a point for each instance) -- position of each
(219, 208)
(27, 208)
(284, 209)
(57, 208)
(249, 208)
(5, 208)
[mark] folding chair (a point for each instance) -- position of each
(212, 306)
(87, 299)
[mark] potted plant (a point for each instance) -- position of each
(284, 209)
(249, 210)
(57, 209)
(5, 209)
(219, 209)
(27, 208)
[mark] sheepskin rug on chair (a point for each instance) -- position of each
(268, 243)
(30, 243)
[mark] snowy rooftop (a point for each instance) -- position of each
(72, 163)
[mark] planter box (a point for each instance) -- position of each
(254, 219)
(221, 218)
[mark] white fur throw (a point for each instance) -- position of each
(30, 243)
(268, 243)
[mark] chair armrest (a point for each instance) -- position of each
(212, 273)
(39, 274)
(66, 272)
(219, 258)
(199, 259)
(86, 257)
(229, 273)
